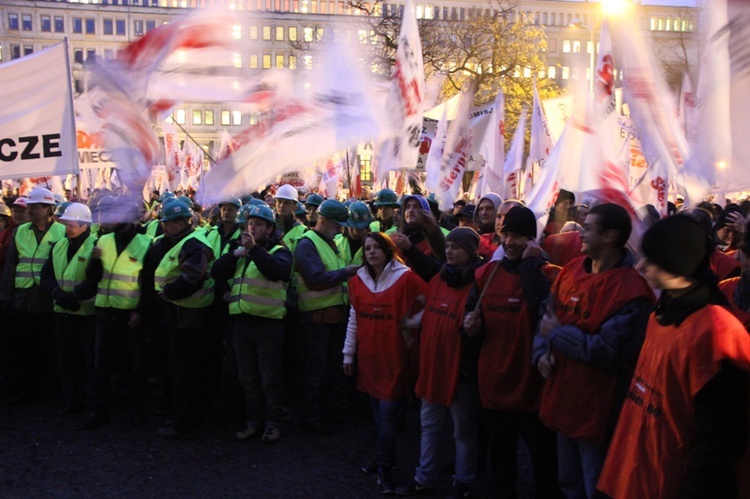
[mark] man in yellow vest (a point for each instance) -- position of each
(116, 265)
(64, 278)
(351, 240)
(260, 268)
(27, 309)
(323, 300)
(286, 203)
(182, 259)
(386, 202)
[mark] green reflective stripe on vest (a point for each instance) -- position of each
(33, 256)
(392, 230)
(337, 295)
(169, 270)
(253, 294)
(344, 246)
(70, 274)
(375, 226)
(213, 236)
(119, 287)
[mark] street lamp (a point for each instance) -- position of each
(592, 61)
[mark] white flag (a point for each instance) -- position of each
(540, 144)
(406, 99)
(435, 155)
(512, 169)
(457, 145)
(37, 123)
(492, 148)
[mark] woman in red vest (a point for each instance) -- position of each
(382, 293)
(447, 382)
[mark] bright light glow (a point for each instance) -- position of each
(721, 165)
(615, 7)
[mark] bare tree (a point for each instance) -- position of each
(676, 50)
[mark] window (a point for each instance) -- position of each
(108, 26)
(308, 34)
(208, 117)
(280, 60)
(236, 117)
(138, 28)
(527, 72)
(197, 117)
(576, 46)
(13, 21)
(179, 116)
(667, 25)
(589, 47)
(150, 26)
(120, 27)
(552, 45)
(253, 32)
(266, 32)
(90, 26)
(565, 72)
(237, 60)
(226, 118)
(266, 61)
(307, 61)
(28, 50)
(237, 32)
(253, 61)
(90, 55)
(566, 46)
(552, 72)
(292, 62)
(574, 74)
(46, 24)
(77, 25)
(292, 33)
(59, 24)
(78, 56)
(26, 22)
(15, 51)
(279, 33)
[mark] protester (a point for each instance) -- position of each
(311, 208)
(684, 421)
(382, 293)
(286, 202)
(350, 242)
(323, 300)
(486, 212)
(386, 202)
(559, 214)
(7, 224)
(447, 382)
(420, 241)
(510, 388)
(260, 268)
(587, 346)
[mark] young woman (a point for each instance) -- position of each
(382, 294)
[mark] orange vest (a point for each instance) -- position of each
(578, 399)
(441, 349)
(562, 248)
(650, 450)
(507, 379)
(382, 352)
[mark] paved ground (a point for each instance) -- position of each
(43, 455)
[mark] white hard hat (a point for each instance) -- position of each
(40, 195)
(286, 191)
(77, 212)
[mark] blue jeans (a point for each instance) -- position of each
(580, 464)
(387, 415)
(465, 414)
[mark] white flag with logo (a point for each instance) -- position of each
(492, 148)
(512, 169)
(37, 123)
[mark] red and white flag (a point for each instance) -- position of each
(492, 149)
(455, 155)
(513, 167)
(405, 102)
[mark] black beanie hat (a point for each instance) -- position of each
(520, 220)
(721, 220)
(677, 244)
(465, 237)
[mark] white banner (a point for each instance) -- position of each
(37, 124)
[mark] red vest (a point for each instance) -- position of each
(577, 400)
(728, 287)
(382, 353)
(487, 246)
(507, 379)
(441, 350)
(563, 247)
(651, 446)
(723, 264)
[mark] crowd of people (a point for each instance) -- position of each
(559, 341)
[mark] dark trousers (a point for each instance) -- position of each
(257, 348)
(75, 357)
(324, 376)
(120, 350)
(186, 369)
(504, 430)
(32, 368)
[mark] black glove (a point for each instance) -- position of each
(68, 301)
